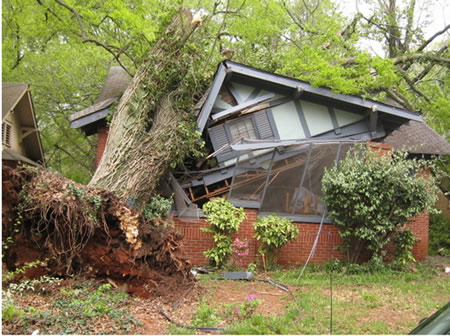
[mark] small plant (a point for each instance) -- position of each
(252, 268)
(159, 207)
(223, 219)
(21, 270)
(273, 232)
(9, 310)
(206, 316)
(239, 250)
(32, 285)
(243, 310)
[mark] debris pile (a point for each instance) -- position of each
(73, 229)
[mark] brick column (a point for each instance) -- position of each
(101, 143)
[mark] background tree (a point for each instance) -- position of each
(307, 39)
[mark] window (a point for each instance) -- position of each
(6, 134)
(243, 129)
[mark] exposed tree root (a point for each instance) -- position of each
(88, 231)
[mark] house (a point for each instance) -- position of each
(21, 143)
(270, 139)
(93, 120)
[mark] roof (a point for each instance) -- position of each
(11, 95)
(8, 154)
(92, 109)
(229, 69)
(115, 84)
(16, 96)
(418, 137)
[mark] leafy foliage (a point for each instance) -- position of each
(159, 207)
(223, 219)
(206, 316)
(64, 52)
(404, 242)
(372, 194)
(273, 232)
(439, 239)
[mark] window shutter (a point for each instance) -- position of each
(263, 125)
(219, 138)
(6, 134)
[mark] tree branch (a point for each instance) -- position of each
(412, 86)
(399, 98)
(427, 42)
(425, 57)
(429, 66)
(85, 39)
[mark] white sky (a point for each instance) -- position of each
(439, 17)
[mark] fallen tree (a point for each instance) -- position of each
(152, 129)
(52, 225)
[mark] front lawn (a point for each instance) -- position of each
(384, 302)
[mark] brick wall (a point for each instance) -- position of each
(101, 143)
(294, 253)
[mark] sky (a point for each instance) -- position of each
(439, 17)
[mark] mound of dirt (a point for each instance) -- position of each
(74, 229)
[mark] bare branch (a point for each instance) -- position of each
(413, 87)
(421, 57)
(399, 98)
(429, 66)
(427, 42)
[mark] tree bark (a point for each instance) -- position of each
(146, 134)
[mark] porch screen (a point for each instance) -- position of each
(295, 183)
(287, 180)
(250, 178)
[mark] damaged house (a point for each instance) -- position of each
(270, 138)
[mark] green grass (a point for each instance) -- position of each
(381, 302)
(84, 308)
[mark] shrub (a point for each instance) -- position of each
(273, 232)
(158, 207)
(223, 219)
(370, 195)
(439, 239)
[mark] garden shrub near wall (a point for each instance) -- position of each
(371, 194)
(223, 219)
(273, 232)
(439, 238)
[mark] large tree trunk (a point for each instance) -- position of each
(147, 131)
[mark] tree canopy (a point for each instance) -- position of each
(64, 48)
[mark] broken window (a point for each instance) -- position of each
(250, 179)
(242, 128)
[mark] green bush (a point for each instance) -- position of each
(158, 207)
(439, 238)
(223, 219)
(371, 194)
(273, 232)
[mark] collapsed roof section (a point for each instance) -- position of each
(273, 136)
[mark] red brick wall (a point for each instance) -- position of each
(294, 253)
(101, 143)
(419, 226)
